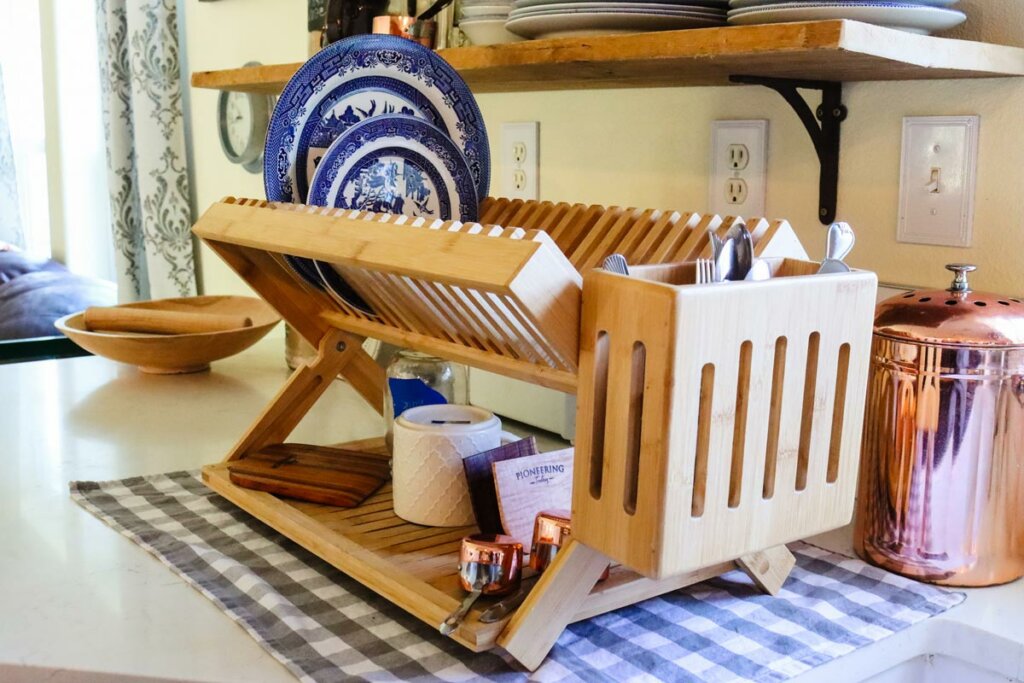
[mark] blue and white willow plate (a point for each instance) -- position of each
(392, 164)
(396, 164)
(358, 78)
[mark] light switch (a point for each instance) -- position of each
(937, 180)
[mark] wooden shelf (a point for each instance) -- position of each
(822, 50)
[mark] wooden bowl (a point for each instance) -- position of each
(168, 354)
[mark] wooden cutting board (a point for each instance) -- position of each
(318, 474)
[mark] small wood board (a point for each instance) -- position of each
(318, 474)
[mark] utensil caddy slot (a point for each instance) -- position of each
(715, 420)
(509, 300)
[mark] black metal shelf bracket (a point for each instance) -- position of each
(825, 136)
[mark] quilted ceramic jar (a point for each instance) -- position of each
(429, 482)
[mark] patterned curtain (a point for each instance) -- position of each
(10, 215)
(142, 117)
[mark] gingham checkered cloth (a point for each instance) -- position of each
(325, 626)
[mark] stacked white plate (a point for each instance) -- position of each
(922, 16)
(483, 21)
(563, 18)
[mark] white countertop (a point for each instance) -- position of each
(74, 595)
(79, 602)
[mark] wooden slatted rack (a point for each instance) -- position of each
(504, 295)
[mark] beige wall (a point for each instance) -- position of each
(649, 147)
(221, 35)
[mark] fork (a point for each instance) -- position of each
(706, 271)
(616, 263)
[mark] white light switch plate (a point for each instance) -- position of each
(739, 159)
(937, 180)
(520, 160)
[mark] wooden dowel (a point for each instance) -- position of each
(159, 321)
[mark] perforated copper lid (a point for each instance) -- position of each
(956, 316)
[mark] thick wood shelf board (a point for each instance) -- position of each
(822, 50)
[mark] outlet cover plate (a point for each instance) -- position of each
(753, 136)
(520, 169)
(937, 180)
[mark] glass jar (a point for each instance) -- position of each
(297, 351)
(418, 379)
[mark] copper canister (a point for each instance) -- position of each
(942, 471)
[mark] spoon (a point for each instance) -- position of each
(500, 610)
(716, 244)
(743, 251)
(838, 246)
(726, 261)
(453, 620)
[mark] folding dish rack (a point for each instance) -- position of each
(713, 427)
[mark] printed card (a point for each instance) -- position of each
(529, 485)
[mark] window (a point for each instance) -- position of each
(49, 59)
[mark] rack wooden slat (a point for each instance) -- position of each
(502, 299)
(822, 50)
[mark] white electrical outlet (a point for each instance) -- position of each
(520, 160)
(739, 161)
(736, 191)
(739, 157)
(937, 180)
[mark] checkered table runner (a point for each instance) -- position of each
(325, 626)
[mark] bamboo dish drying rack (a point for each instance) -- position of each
(511, 300)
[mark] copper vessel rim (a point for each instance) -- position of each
(947, 344)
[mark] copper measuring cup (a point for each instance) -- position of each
(552, 530)
(489, 564)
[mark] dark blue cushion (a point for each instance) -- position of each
(15, 264)
(31, 301)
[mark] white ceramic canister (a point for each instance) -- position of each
(429, 483)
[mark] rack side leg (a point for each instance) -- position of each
(552, 604)
(768, 568)
(303, 389)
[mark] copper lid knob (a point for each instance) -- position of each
(960, 271)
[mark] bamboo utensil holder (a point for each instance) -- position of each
(509, 300)
(720, 418)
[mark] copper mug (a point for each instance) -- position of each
(420, 30)
(489, 564)
(552, 530)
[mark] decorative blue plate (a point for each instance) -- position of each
(392, 164)
(396, 164)
(358, 78)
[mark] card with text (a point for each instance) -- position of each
(526, 486)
